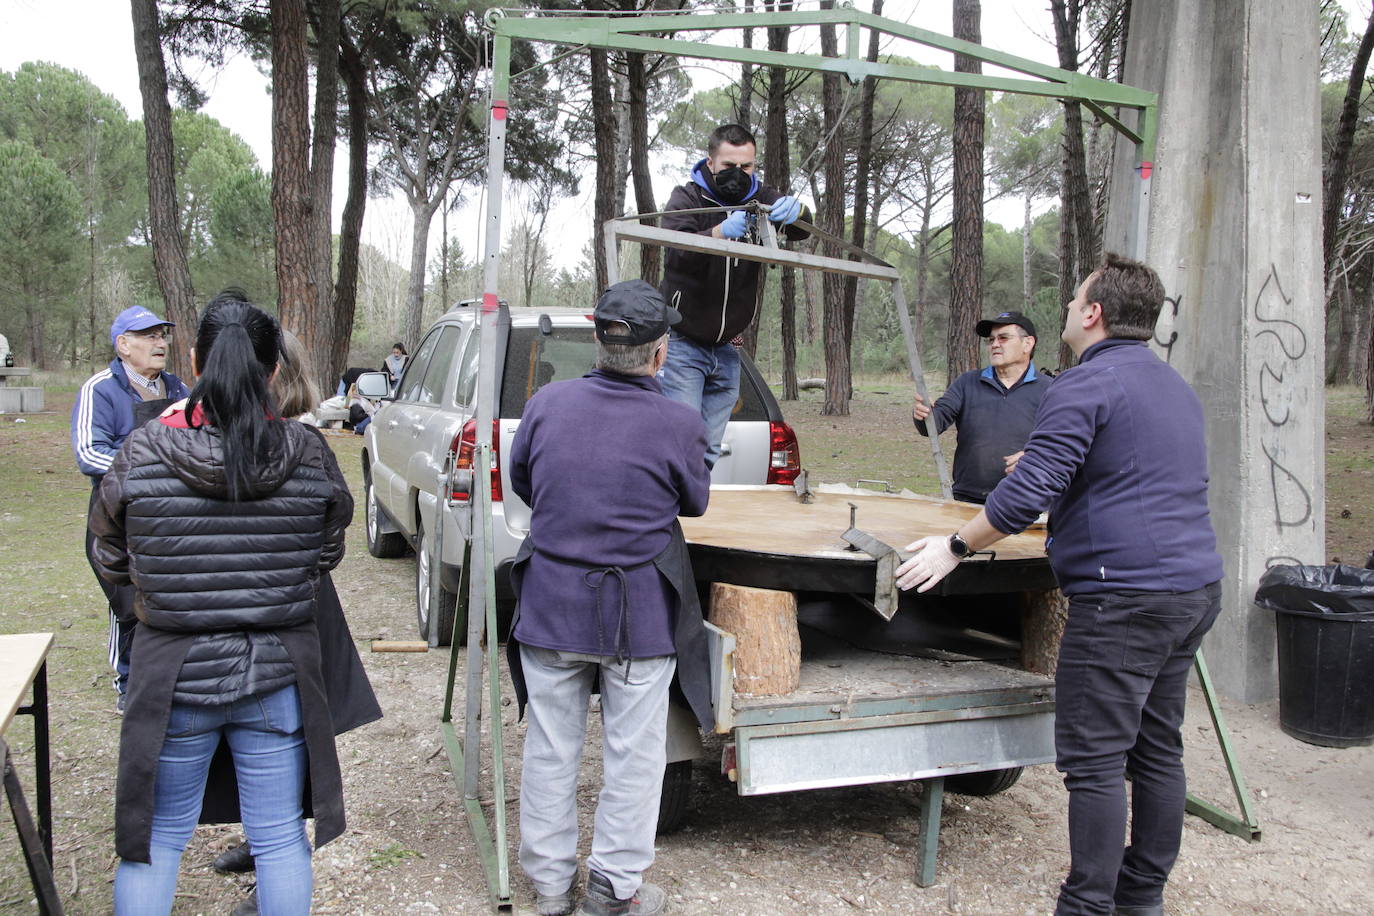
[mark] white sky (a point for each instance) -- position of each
(95, 37)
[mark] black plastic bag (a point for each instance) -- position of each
(1318, 591)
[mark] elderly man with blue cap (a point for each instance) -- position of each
(606, 464)
(107, 409)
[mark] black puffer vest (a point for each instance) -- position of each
(230, 571)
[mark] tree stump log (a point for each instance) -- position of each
(767, 645)
(1043, 616)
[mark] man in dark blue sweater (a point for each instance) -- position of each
(1118, 457)
(994, 407)
(606, 464)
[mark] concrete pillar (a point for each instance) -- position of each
(1235, 233)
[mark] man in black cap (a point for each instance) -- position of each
(994, 407)
(606, 464)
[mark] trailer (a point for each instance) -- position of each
(890, 686)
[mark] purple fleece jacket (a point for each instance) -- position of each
(606, 464)
(1118, 456)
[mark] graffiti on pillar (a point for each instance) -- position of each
(1173, 304)
(1291, 495)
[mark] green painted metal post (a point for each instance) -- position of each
(928, 840)
(1245, 826)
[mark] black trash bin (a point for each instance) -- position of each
(1325, 624)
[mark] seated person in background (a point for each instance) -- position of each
(396, 362)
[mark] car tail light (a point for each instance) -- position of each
(784, 455)
(465, 447)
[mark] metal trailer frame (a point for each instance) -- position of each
(655, 34)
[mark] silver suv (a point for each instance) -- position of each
(431, 414)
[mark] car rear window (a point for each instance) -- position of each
(533, 359)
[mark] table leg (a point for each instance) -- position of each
(39, 864)
(42, 758)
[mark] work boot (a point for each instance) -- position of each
(235, 859)
(601, 900)
(555, 904)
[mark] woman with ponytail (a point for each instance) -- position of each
(224, 517)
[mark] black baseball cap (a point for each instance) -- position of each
(637, 305)
(984, 327)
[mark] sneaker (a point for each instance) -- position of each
(247, 907)
(120, 700)
(649, 900)
(555, 904)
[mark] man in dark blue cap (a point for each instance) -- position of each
(993, 407)
(136, 381)
(605, 591)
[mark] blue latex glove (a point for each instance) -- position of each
(785, 210)
(735, 226)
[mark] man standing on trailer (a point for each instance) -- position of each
(606, 594)
(718, 296)
(1118, 457)
(994, 407)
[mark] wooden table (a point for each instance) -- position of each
(24, 666)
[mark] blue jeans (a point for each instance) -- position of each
(705, 377)
(1120, 690)
(268, 743)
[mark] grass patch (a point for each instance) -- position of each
(391, 855)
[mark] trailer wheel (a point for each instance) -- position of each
(677, 791)
(983, 784)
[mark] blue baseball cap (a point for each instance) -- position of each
(135, 318)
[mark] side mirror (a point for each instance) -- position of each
(374, 386)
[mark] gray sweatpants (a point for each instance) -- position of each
(634, 721)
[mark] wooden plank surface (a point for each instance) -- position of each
(767, 520)
(21, 655)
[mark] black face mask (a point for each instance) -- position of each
(732, 183)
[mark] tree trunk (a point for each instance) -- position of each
(421, 215)
(351, 226)
(966, 265)
(837, 374)
(744, 114)
(1077, 242)
(316, 329)
(169, 250)
(650, 256)
(862, 176)
(603, 140)
(1027, 293)
(777, 170)
(622, 139)
(1338, 166)
(296, 288)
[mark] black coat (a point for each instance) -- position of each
(202, 564)
(717, 296)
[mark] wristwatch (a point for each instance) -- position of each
(958, 546)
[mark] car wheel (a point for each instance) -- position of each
(434, 607)
(983, 784)
(383, 544)
(677, 792)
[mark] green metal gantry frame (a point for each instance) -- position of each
(658, 34)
